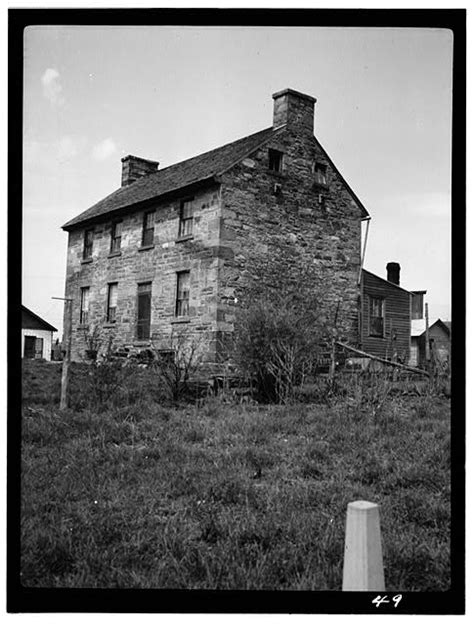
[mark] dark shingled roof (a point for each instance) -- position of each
(175, 177)
(186, 173)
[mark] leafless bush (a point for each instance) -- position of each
(178, 362)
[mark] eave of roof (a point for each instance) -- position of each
(364, 213)
(397, 286)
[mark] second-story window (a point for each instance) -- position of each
(148, 228)
(84, 315)
(88, 241)
(112, 303)
(116, 237)
(186, 218)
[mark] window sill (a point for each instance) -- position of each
(146, 247)
(114, 254)
(86, 261)
(277, 174)
(181, 320)
(321, 186)
(186, 237)
(83, 326)
(110, 324)
(141, 342)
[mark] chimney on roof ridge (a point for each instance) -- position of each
(134, 167)
(393, 273)
(294, 109)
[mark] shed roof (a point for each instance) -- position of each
(30, 320)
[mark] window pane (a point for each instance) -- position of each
(182, 295)
(144, 311)
(187, 209)
(112, 295)
(149, 220)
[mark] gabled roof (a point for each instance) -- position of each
(193, 170)
(418, 326)
(40, 323)
(176, 176)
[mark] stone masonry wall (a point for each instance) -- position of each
(298, 225)
(157, 264)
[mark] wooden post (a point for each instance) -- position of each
(67, 334)
(427, 336)
(363, 564)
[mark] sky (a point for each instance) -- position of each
(95, 94)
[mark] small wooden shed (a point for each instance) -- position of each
(385, 319)
(36, 335)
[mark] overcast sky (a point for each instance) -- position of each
(95, 94)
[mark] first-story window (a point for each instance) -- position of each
(148, 228)
(186, 218)
(376, 316)
(112, 302)
(84, 315)
(116, 237)
(88, 240)
(144, 311)
(182, 294)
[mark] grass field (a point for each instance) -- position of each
(139, 495)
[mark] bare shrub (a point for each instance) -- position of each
(179, 362)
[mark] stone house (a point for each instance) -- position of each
(36, 335)
(175, 249)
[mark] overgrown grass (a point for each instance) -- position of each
(225, 496)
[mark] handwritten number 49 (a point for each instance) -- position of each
(378, 600)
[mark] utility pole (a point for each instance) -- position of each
(67, 352)
(427, 337)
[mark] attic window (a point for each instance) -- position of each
(275, 160)
(319, 171)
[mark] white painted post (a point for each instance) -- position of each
(363, 564)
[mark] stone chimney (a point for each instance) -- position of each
(134, 167)
(294, 109)
(393, 273)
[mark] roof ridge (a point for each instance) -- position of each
(220, 147)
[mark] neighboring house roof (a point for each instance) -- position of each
(31, 321)
(188, 172)
(448, 325)
(418, 326)
(396, 286)
(176, 176)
